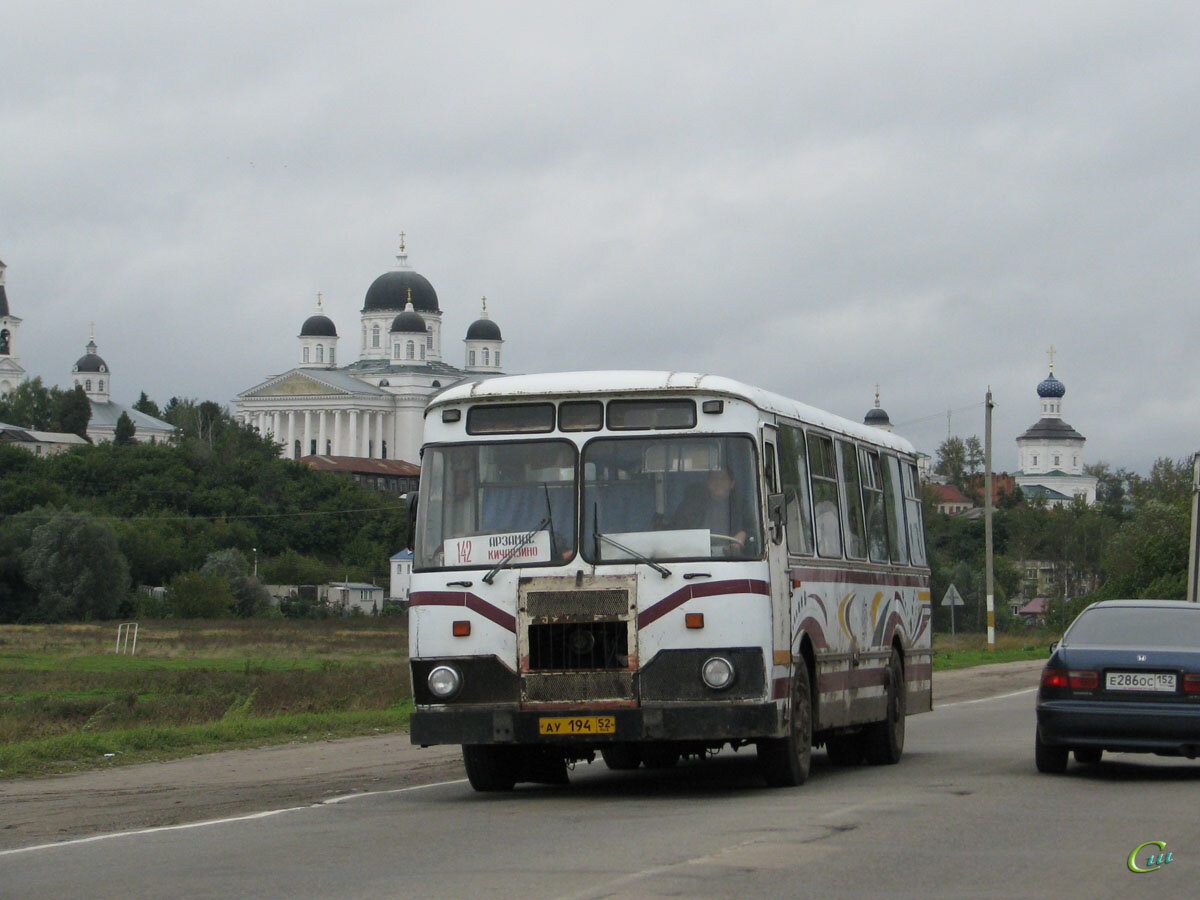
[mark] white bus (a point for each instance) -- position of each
(653, 565)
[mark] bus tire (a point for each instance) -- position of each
(785, 762)
(621, 757)
(489, 767)
(845, 749)
(883, 742)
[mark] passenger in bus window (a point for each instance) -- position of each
(718, 507)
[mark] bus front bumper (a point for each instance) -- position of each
(683, 722)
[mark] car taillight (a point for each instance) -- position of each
(1191, 683)
(1084, 681)
(1055, 678)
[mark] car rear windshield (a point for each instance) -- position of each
(1136, 626)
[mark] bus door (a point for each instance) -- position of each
(777, 550)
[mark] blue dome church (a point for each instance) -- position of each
(1051, 452)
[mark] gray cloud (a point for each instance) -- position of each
(811, 197)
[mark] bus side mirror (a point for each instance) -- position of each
(776, 511)
(410, 527)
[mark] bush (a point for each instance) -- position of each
(194, 595)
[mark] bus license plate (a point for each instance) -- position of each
(577, 725)
(1140, 681)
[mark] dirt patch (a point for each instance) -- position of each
(42, 810)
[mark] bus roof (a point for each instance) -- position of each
(569, 384)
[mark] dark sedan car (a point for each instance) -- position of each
(1126, 678)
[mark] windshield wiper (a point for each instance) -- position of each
(660, 569)
(515, 550)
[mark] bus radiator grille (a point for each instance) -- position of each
(589, 604)
(578, 645)
(547, 687)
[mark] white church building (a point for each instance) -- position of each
(90, 372)
(1051, 452)
(11, 372)
(372, 407)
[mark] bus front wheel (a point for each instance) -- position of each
(489, 767)
(785, 762)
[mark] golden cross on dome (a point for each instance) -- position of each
(485, 305)
(318, 299)
(402, 242)
(1051, 352)
(877, 395)
(91, 331)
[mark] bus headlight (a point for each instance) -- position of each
(717, 673)
(444, 682)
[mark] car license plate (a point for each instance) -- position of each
(577, 725)
(1140, 681)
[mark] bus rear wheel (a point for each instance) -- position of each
(883, 742)
(785, 762)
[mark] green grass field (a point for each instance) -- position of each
(971, 649)
(68, 701)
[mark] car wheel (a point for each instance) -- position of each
(785, 762)
(1088, 756)
(490, 768)
(1050, 760)
(845, 749)
(621, 757)
(883, 742)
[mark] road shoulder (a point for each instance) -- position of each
(215, 785)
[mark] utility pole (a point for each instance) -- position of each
(987, 519)
(1194, 548)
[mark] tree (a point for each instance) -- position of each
(30, 405)
(231, 567)
(74, 412)
(74, 564)
(146, 405)
(1148, 557)
(952, 460)
(973, 451)
(125, 430)
(193, 595)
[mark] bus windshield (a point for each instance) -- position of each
(665, 498)
(481, 502)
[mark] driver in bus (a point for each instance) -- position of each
(717, 507)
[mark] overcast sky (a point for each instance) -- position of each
(813, 197)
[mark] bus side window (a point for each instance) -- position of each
(825, 496)
(856, 542)
(912, 507)
(877, 528)
(793, 467)
(893, 496)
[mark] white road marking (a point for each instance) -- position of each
(985, 699)
(246, 818)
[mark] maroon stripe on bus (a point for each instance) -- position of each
(713, 589)
(813, 628)
(780, 688)
(850, 576)
(464, 598)
(858, 678)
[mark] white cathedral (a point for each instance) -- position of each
(373, 407)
